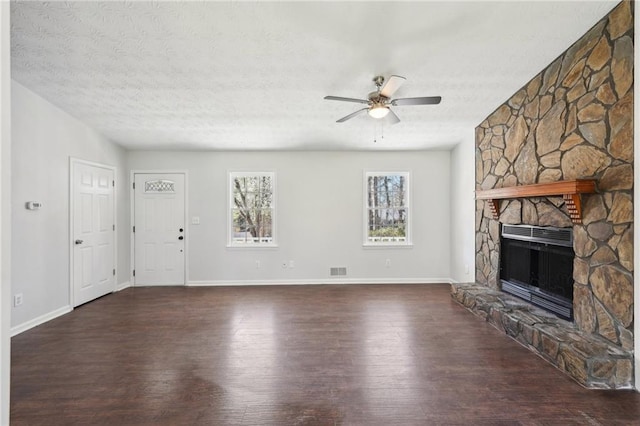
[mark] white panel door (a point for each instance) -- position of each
(93, 232)
(159, 229)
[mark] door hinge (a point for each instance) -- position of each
(134, 185)
(114, 272)
(114, 227)
(113, 183)
(134, 272)
(134, 229)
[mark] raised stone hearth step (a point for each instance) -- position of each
(589, 359)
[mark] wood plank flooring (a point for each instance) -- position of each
(291, 355)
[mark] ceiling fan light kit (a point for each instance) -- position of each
(378, 111)
(380, 100)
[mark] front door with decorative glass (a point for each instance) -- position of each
(159, 229)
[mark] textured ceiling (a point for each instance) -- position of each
(252, 75)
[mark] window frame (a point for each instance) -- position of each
(365, 209)
(231, 175)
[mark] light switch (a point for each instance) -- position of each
(195, 220)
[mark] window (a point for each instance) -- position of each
(252, 209)
(387, 208)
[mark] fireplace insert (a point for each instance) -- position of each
(537, 266)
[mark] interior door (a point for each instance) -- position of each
(93, 234)
(159, 229)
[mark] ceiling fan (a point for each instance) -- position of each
(379, 101)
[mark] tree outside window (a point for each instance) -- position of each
(252, 208)
(387, 208)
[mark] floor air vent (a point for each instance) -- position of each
(338, 271)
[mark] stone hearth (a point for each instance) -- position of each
(592, 361)
(574, 120)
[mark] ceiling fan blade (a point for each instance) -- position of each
(426, 100)
(353, 114)
(391, 85)
(339, 98)
(392, 118)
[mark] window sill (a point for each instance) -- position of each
(252, 246)
(369, 246)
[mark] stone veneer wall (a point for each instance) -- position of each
(573, 120)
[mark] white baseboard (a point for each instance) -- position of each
(122, 286)
(40, 320)
(320, 281)
(159, 285)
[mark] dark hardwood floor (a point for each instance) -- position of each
(291, 355)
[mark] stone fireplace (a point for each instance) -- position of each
(574, 120)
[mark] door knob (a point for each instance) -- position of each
(79, 242)
(181, 230)
(181, 237)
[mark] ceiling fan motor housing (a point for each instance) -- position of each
(377, 98)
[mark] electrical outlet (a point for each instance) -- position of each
(17, 299)
(195, 220)
(387, 263)
(257, 264)
(292, 264)
(466, 269)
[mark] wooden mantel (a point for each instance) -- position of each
(570, 190)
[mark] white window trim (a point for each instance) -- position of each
(230, 176)
(365, 210)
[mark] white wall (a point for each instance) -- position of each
(463, 210)
(5, 211)
(319, 216)
(43, 139)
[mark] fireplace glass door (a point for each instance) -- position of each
(539, 272)
(546, 267)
